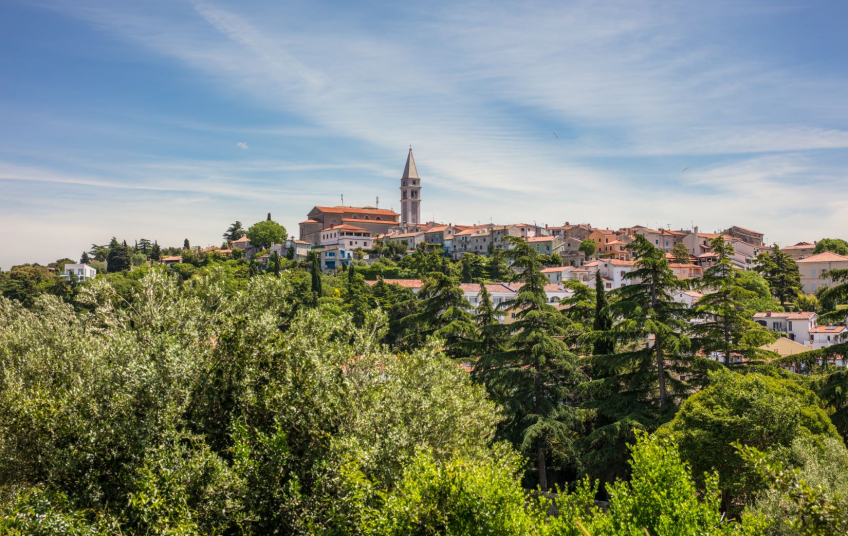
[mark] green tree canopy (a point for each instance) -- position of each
(640, 385)
(234, 231)
(264, 233)
(781, 272)
(725, 327)
(588, 247)
(836, 245)
(765, 412)
(534, 377)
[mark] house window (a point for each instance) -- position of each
(814, 272)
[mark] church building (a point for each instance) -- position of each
(376, 221)
(410, 194)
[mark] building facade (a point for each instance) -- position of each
(410, 193)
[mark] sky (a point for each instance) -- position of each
(170, 119)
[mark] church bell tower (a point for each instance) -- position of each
(410, 193)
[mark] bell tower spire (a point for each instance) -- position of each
(410, 193)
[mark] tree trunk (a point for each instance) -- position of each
(543, 472)
(726, 342)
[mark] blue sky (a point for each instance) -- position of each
(169, 119)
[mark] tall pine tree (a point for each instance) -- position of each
(723, 327)
(781, 272)
(445, 314)
(534, 377)
(640, 384)
(603, 343)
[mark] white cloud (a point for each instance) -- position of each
(241, 145)
(477, 89)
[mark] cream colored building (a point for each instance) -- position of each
(814, 270)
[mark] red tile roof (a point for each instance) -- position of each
(346, 227)
(800, 315)
(363, 210)
(491, 287)
(358, 220)
(828, 329)
(826, 256)
(747, 230)
(406, 283)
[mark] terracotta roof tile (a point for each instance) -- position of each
(827, 256)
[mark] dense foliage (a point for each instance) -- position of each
(219, 395)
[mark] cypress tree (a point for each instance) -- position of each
(317, 289)
(602, 323)
(85, 259)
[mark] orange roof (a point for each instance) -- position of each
(826, 256)
(407, 235)
(171, 258)
(746, 230)
(800, 315)
(491, 287)
(309, 221)
(346, 227)
(406, 283)
(556, 269)
(242, 239)
(682, 265)
(540, 238)
(437, 229)
(617, 262)
(828, 329)
(363, 210)
(358, 220)
(800, 245)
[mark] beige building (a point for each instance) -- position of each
(814, 270)
(377, 221)
(746, 235)
(799, 250)
(546, 245)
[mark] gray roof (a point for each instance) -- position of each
(410, 171)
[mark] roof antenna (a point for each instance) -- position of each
(378, 202)
(342, 199)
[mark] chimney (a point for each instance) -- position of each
(768, 312)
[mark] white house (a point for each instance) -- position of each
(82, 272)
(346, 236)
(558, 274)
(498, 292)
(815, 267)
(301, 248)
(687, 297)
(797, 325)
(824, 336)
(613, 271)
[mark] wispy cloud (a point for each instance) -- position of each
(633, 88)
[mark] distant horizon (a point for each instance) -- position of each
(166, 121)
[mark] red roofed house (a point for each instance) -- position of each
(797, 325)
(746, 235)
(374, 220)
(812, 269)
(799, 250)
